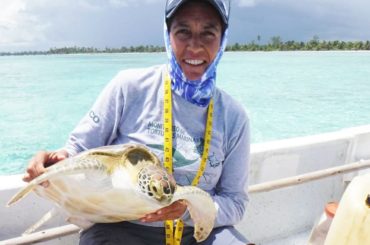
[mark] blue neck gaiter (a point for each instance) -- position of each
(198, 92)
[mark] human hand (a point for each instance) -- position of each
(171, 212)
(43, 159)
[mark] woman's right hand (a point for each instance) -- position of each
(41, 161)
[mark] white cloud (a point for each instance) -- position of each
(30, 24)
(17, 26)
(41, 24)
(246, 3)
(119, 3)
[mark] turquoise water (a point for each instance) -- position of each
(287, 94)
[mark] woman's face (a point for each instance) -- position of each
(195, 36)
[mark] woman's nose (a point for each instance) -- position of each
(195, 43)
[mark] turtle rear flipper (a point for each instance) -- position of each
(201, 208)
(80, 222)
(45, 218)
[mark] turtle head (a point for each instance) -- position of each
(155, 182)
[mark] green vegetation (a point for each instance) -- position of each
(90, 50)
(275, 44)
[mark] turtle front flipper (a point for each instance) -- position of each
(201, 208)
(77, 164)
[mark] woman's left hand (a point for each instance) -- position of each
(171, 212)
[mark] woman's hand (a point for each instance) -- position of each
(41, 161)
(171, 212)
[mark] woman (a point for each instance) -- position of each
(131, 108)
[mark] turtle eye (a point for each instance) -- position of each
(167, 190)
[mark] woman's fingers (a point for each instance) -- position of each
(40, 159)
(56, 156)
(40, 162)
(35, 166)
(171, 212)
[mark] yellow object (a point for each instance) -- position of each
(167, 161)
(167, 116)
(351, 223)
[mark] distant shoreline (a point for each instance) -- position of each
(275, 45)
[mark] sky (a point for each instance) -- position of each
(44, 24)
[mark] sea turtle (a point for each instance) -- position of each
(117, 183)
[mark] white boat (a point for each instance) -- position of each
(281, 216)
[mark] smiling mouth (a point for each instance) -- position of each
(194, 62)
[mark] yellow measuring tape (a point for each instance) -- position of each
(171, 238)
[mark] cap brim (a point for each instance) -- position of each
(222, 8)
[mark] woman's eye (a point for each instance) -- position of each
(208, 36)
(182, 31)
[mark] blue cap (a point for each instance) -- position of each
(222, 7)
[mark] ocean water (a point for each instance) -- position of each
(286, 94)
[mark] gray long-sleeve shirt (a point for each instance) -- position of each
(130, 110)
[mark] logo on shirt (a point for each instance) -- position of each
(178, 160)
(94, 117)
(188, 149)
